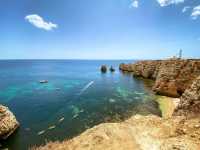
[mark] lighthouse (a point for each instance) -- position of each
(180, 53)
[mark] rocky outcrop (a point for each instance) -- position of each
(136, 133)
(171, 76)
(103, 68)
(112, 69)
(146, 69)
(190, 101)
(8, 122)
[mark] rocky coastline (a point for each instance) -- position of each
(180, 130)
(136, 133)
(174, 78)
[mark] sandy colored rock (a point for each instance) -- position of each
(8, 122)
(167, 105)
(172, 77)
(136, 133)
(190, 101)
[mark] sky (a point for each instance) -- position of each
(99, 29)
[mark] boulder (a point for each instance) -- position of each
(8, 122)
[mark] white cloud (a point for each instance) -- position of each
(135, 4)
(169, 2)
(39, 22)
(185, 9)
(195, 12)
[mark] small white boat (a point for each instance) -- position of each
(43, 81)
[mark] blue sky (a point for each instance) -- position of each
(99, 29)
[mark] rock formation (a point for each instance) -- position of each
(190, 101)
(112, 69)
(103, 68)
(8, 122)
(171, 76)
(136, 133)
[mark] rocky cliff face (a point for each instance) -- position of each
(190, 101)
(146, 69)
(8, 122)
(136, 133)
(171, 76)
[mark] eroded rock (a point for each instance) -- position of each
(103, 68)
(172, 77)
(190, 101)
(8, 122)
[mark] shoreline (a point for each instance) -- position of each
(139, 132)
(167, 105)
(136, 133)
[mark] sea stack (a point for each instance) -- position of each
(103, 68)
(112, 69)
(8, 122)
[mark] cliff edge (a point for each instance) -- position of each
(172, 77)
(136, 133)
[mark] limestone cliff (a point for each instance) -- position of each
(136, 133)
(171, 76)
(190, 101)
(8, 122)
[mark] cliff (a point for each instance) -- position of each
(190, 101)
(172, 77)
(8, 122)
(136, 133)
(175, 78)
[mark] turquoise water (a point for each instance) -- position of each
(77, 97)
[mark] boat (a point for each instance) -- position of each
(43, 81)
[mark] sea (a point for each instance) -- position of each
(77, 97)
